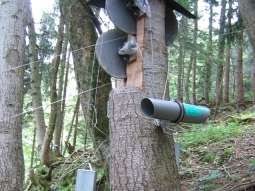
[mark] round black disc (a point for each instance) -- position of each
(107, 46)
(171, 26)
(121, 16)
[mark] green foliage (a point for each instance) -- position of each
(252, 164)
(224, 157)
(211, 133)
(205, 182)
(209, 157)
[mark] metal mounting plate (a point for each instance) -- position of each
(171, 26)
(107, 46)
(121, 16)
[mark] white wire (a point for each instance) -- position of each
(13, 68)
(17, 115)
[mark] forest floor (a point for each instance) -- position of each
(221, 156)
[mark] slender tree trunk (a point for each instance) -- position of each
(180, 61)
(239, 71)
(142, 156)
(247, 8)
(62, 84)
(75, 129)
(187, 81)
(13, 20)
(36, 85)
(221, 44)
(253, 78)
(71, 124)
(209, 59)
(228, 47)
(53, 95)
(89, 76)
(180, 72)
(194, 61)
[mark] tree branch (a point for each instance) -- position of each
(92, 16)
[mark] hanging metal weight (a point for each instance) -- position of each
(86, 179)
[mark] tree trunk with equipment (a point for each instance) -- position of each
(142, 156)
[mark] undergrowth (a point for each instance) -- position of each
(209, 134)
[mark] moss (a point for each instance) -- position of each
(225, 156)
(209, 158)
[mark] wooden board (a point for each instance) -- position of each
(135, 68)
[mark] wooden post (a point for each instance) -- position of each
(135, 63)
(135, 68)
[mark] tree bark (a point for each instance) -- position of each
(194, 61)
(180, 62)
(221, 44)
(187, 80)
(36, 85)
(209, 59)
(142, 156)
(228, 47)
(13, 20)
(239, 71)
(253, 78)
(62, 86)
(53, 95)
(247, 8)
(89, 75)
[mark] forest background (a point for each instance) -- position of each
(64, 117)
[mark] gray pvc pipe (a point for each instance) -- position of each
(174, 111)
(160, 109)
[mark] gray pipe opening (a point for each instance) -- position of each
(147, 107)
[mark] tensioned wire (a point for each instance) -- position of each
(102, 43)
(69, 97)
(86, 90)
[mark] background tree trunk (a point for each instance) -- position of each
(142, 157)
(89, 75)
(194, 61)
(239, 71)
(221, 44)
(62, 87)
(209, 59)
(36, 85)
(228, 47)
(53, 95)
(247, 8)
(253, 78)
(13, 20)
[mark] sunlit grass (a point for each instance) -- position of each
(212, 133)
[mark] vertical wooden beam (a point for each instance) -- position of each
(135, 68)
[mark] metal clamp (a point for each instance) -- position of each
(88, 165)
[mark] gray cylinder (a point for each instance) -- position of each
(174, 111)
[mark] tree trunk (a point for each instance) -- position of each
(253, 78)
(194, 61)
(180, 61)
(239, 71)
(53, 95)
(221, 44)
(142, 156)
(36, 85)
(62, 84)
(209, 59)
(13, 20)
(187, 81)
(247, 8)
(89, 75)
(227, 68)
